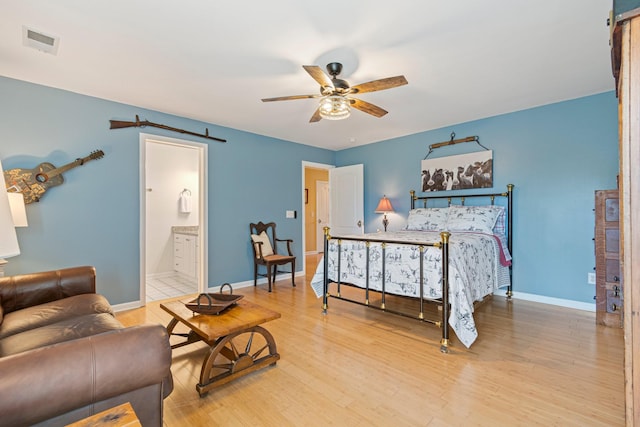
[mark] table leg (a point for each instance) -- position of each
(235, 355)
(190, 337)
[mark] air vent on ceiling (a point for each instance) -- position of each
(39, 40)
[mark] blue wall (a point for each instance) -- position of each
(93, 218)
(556, 155)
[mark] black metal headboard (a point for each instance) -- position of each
(462, 197)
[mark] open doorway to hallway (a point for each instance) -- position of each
(316, 212)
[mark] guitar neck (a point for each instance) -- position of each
(68, 166)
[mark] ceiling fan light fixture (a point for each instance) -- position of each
(334, 107)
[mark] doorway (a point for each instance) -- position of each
(173, 218)
(315, 177)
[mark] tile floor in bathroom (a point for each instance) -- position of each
(159, 288)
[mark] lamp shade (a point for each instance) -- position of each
(334, 107)
(18, 210)
(8, 239)
(384, 206)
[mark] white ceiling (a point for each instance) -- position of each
(214, 60)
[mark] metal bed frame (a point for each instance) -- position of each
(443, 245)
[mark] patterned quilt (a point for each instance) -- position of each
(475, 270)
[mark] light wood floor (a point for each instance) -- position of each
(533, 364)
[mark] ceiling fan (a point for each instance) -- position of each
(337, 94)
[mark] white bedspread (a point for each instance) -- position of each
(475, 270)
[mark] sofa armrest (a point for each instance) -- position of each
(44, 383)
(26, 290)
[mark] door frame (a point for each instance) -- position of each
(203, 217)
(319, 184)
(306, 164)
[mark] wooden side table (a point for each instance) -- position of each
(119, 416)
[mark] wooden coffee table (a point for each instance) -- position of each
(238, 345)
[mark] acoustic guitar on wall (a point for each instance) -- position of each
(33, 183)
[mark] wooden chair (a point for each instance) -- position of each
(265, 252)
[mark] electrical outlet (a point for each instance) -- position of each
(591, 278)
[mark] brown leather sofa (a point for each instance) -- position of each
(65, 357)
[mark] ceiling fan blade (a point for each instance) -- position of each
(319, 75)
(316, 116)
(288, 98)
(367, 107)
(382, 84)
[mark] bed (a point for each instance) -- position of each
(458, 247)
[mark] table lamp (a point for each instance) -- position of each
(18, 209)
(384, 207)
(8, 238)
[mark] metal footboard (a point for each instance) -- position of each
(443, 245)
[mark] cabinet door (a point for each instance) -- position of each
(190, 255)
(185, 254)
(179, 253)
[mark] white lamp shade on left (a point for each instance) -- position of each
(18, 209)
(8, 239)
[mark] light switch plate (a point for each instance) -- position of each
(291, 214)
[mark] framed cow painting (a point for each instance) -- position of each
(473, 170)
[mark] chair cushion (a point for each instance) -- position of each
(267, 249)
(278, 259)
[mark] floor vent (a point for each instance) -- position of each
(40, 41)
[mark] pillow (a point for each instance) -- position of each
(500, 227)
(266, 244)
(472, 218)
(428, 219)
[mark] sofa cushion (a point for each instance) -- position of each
(28, 318)
(64, 330)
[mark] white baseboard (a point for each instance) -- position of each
(237, 285)
(585, 306)
(550, 300)
(261, 281)
(127, 306)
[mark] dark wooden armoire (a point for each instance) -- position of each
(609, 296)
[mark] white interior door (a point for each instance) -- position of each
(346, 211)
(322, 212)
